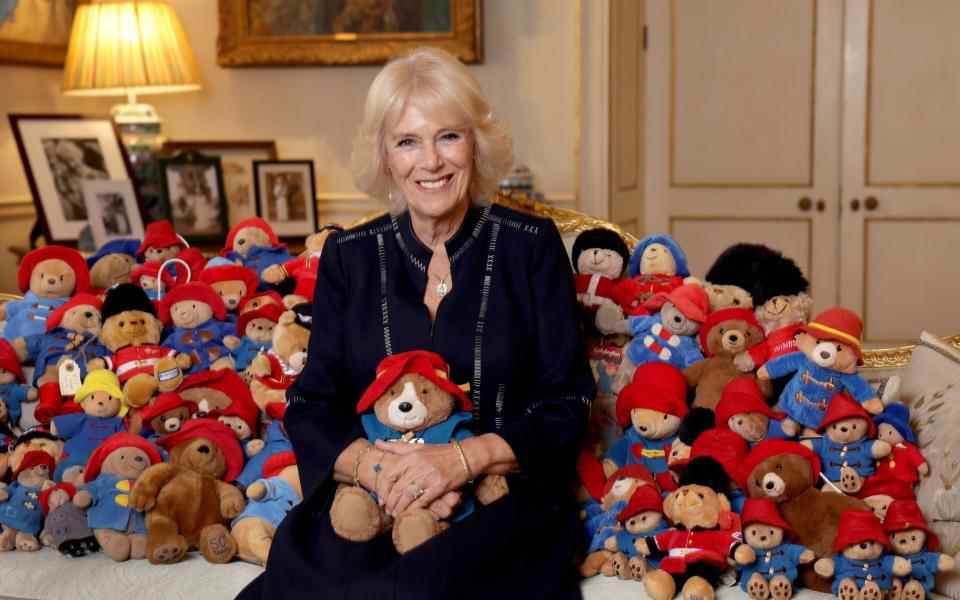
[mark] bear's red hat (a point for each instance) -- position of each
(858, 526)
(160, 234)
(243, 406)
(838, 325)
(8, 360)
(251, 222)
(152, 269)
(68, 255)
(56, 317)
(885, 484)
(742, 395)
(644, 498)
(222, 380)
(657, 386)
(276, 410)
(726, 314)
(194, 259)
(843, 406)
(114, 442)
(269, 297)
(212, 275)
(428, 364)
(278, 462)
(217, 433)
(689, 298)
(765, 511)
(634, 471)
(769, 448)
(69, 488)
(906, 514)
(725, 447)
(165, 402)
(270, 312)
(34, 458)
(195, 290)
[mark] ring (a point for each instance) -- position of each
(416, 491)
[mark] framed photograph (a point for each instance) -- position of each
(286, 196)
(35, 32)
(344, 32)
(58, 153)
(236, 162)
(192, 189)
(113, 210)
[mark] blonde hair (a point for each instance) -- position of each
(436, 79)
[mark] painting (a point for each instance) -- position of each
(286, 196)
(113, 210)
(35, 32)
(193, 194)
(310, 32)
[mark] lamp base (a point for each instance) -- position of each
(135, 113)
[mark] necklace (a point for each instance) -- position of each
(442, 287)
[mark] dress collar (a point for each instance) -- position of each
(420, 255)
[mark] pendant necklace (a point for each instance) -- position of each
(442, 287)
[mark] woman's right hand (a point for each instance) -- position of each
(443, 507)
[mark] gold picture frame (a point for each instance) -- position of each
(36, 32)
(344, 32)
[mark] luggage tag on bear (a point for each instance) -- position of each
(68, 373)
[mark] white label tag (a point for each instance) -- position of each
(69, 376)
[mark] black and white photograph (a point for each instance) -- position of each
(71, 162)
(113, 210)
(193, 189)
(286, 197)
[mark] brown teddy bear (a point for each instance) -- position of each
(187, 501)
(213, 391)
(232, 282)
(20, 512)
(743, 410)
(274, 371)
(269, 501)
(725, 333)
(166, 413)
(303, 269)
(36, 439)
(113, 263)
(254, 243)
(787, 473)
(160, 242)
(259, 300)
(412, 400)
(195, 314)
(727, 296)
(912, 539)
(256, 328)
(774, 569)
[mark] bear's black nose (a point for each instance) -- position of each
(677, 319)
(843, 429)
(763, 538)
(88, 314)
(51, 281)
(204, 449)
(734, 337)
(643, 428)
(241, 242)
(824, 355)
(769, 485)
(405, 407)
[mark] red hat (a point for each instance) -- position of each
(152, 269)
(116, 441)
(428, 364)
(56, 317)
(34, 458)
(8, 360)
(634, 471)
(725, 447)
(243, 406)
(276, 410)
(223, 380)
(763, 510)
(885, 484)
(689, 298)
(644, 498)
(839, 325)
(906, 514)
(251, 222)
(657, 386)
(269, 297)
(160, 234)
(194, 259)
(590, 473)
(278, 462)
(165, 402)
(68, 255)
(220, 273)
(859, 526)
(270, 312)
(770, 448)
(843, 406)
(742, 395)
(726, 314)
(45, 495)
(194, 290)
(217, 433)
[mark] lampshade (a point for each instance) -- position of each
(128, 47)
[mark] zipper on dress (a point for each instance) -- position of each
(498, 419)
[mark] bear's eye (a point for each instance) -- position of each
(913, 538)
(736, 302)
(721, 331)
(122, 323)
(779, 467)
(423, 391)
(771, 532)
(739, 421)
(839, 348)
(701, 495)
(61, 278)
(664, 417)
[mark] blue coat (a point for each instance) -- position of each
(275, 441)
(204, 344)
(83, 434)
(13, 395)
(274, 506)
(29, 316)
(807, 394)
(924, 567)
(111, 508)
(625, 541)
(21, 511)
(634, 448)
(46, 350)
(880, 571)
(261, 257)
(771, 562)
(639, 351)
(833, 456)
(600, 523)
(248, 349)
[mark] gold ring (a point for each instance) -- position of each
(416, 491)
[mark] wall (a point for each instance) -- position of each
(530, 74)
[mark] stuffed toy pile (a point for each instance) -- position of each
(772, 460)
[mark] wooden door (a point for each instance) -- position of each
(743, 128)
(900, 229)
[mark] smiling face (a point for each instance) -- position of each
(413, 403)
(657, 260)
(600, 261)
(847, 431)
(190, 313)
(867, 550)
(52, 278)
(908, 541)
(695, 506)
(161, 253)
(761, 535)
(430, 156)
(126, 462)
(100, 404)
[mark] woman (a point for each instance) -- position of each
(490, 290)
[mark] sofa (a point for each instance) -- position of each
(928, 375)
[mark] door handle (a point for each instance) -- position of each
(821, 205)
(871, 203)
(855, 205)
(805, 203)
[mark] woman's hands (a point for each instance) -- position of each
(419, 475)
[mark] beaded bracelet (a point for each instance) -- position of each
(356, 466)
(463, 460)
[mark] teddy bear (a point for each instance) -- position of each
(774, 569)
(254, 243)
(34, 439)
(187, 501)
(232, 282)
(20, 511)
(826, 363)
(242, 416)
(650, 409)
(64, 523)
(599, 261)
(269, 499)
(101, 398)
(743, 410)
(14, 390)
(704, 541)
(260, 299)
(303, 269)
(881, 490)
(913, 540)
(213, 391)
(149, 278)
(728, 450)
(411, 400)
(726, 333)
(131, 331)
(275, 441)
(108, 478)
(166, 413)
(642, 517)
(113, 263)
(787, 473)
(196, 315)
(47, 276)
(862, 567)
(847, 449)
(657, 265)
(160, 242)
(697, 421)
(256, 328)
(274, 371)
(905, 462)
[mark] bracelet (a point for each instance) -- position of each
(463, 460)
(356, 466)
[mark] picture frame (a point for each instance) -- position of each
(334, 32)
(113, 210)
(286, 196)
(58, 152)
(36, 32)
(236, 162)
(192, 193)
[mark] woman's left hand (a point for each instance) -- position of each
(422, 473)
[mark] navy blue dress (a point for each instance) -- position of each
(509, 328)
